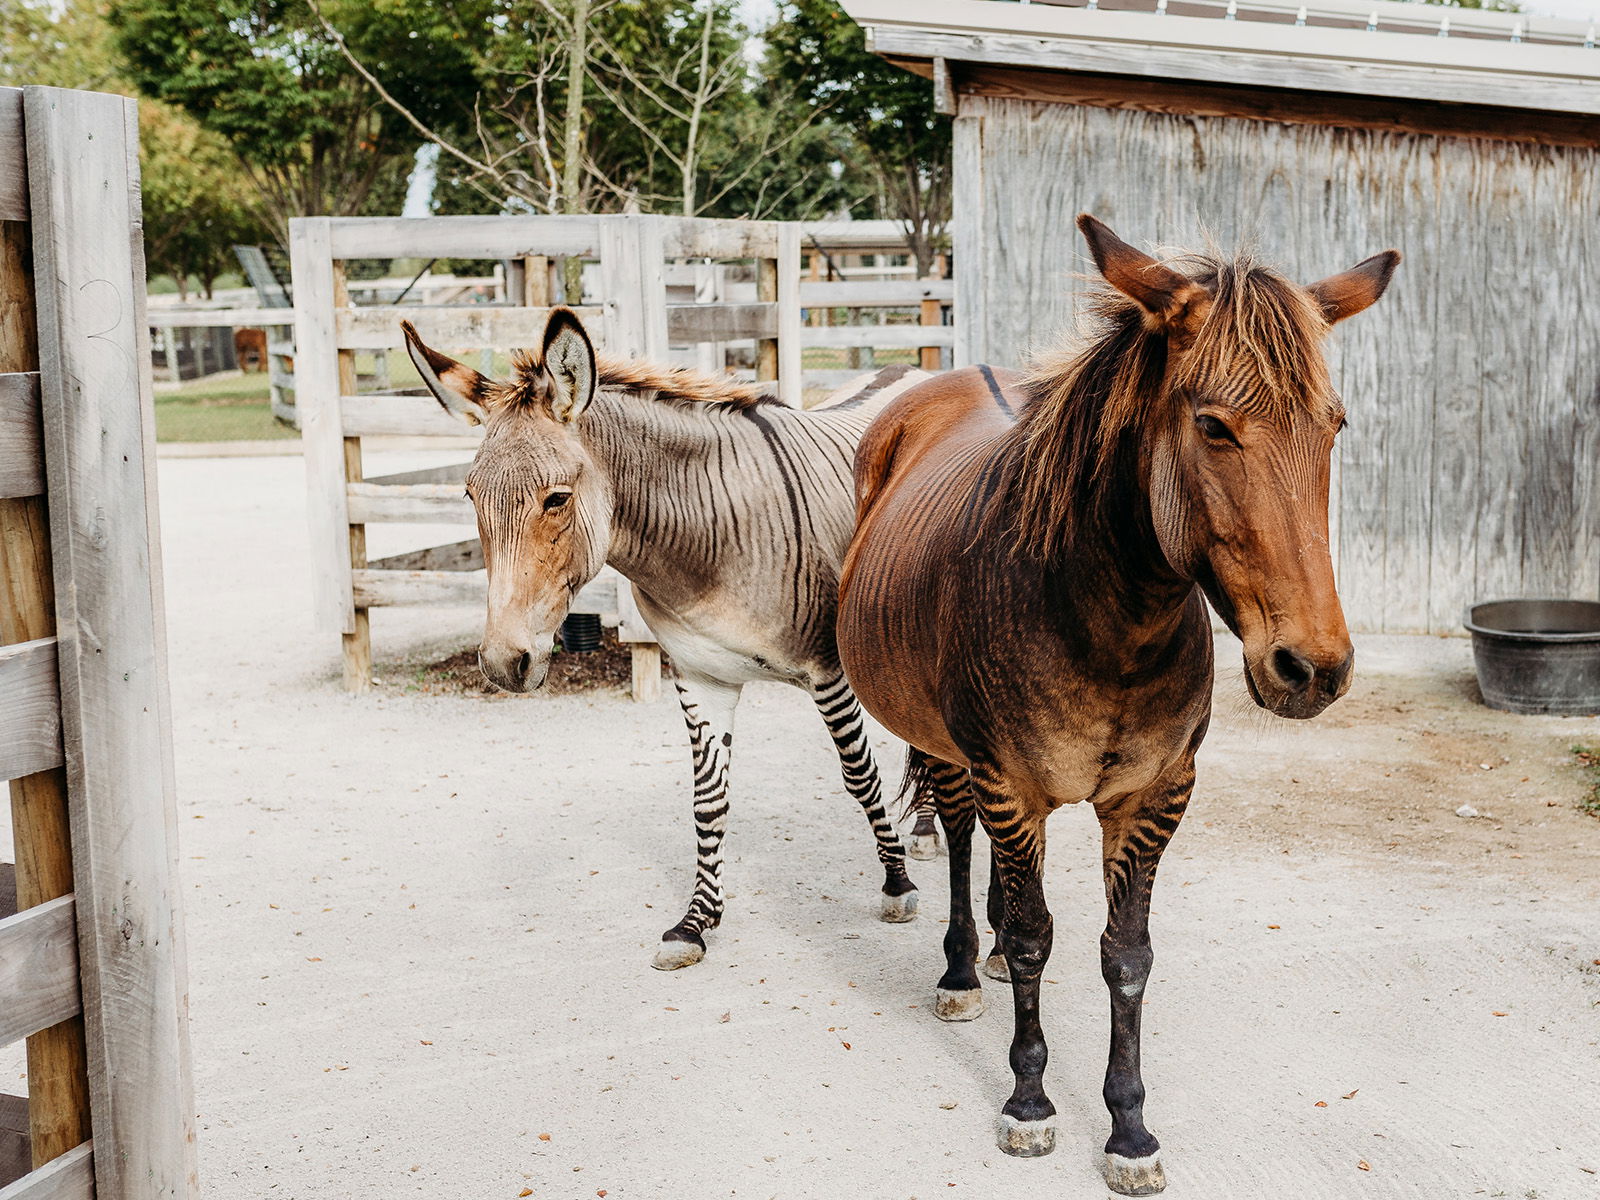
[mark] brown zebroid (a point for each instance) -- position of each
(727, 511)
(1025, 604)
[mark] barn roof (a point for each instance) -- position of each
(1378, 48)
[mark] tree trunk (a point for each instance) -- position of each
(572, 143)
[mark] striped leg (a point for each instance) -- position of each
(1015, 824)
(708, 712)
(924, 841)
(842, 714)
(1132, 838)
(959, 996)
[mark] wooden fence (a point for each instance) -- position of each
(91, 963)
(630, 315)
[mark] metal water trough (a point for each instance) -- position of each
(1538, 656)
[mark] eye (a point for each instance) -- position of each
(1214, 429)
(556, 500)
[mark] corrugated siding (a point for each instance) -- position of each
(1469, 467)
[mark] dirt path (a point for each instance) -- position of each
(420, 929)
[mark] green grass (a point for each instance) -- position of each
(1588, 758)
(226, 409)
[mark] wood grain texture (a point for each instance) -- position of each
(461, 237)
(456, 556)
(21, 449)
(414, 416)
(38, 969)
(384, 589)
(422, 503)
(455, 329)
(1468, 470)
(16, 1153)
(1193, 98)
(449, 473)
(40, 825)
(30, 709)
(69, 1177)
(13, 158)
(99, 452)
(688, 323)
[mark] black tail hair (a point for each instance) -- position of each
(916, 784)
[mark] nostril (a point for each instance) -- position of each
(524, 665)
(1293, 671)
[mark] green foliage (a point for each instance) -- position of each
(901, 144)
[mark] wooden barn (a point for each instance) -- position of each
(1468, 140)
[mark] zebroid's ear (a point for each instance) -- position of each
(1176, 305)
(569, 363)
(456, 386)
(1347, 293)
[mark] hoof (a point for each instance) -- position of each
(995, 967)
(924, 846)
(671, 955)
(951, 1005)
(1027, 1139)
(1135, 1176)
(897, 910)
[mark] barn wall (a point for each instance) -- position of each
(1469, 468)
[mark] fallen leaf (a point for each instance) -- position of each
(1497, 1014)
(600, 1192)
(725, 1018)
(1274, 926)
(1350, 1095)
(1320, 1104)
(846, 1045)
(525, 1192)
(313, 960)
(1363, 1165)
(669, 1008)
(425, 1041)
(947, 1105)
(544, 1137)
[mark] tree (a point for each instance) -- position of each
(259, 75)
(818, 50)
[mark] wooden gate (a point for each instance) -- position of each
(91, 963)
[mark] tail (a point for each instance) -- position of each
(916, 784)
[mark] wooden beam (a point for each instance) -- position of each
(688, 323)
(220, 318)
(13, 158)
(38, 969)
(449, 473)
(944, 91)
(646, 664)
(99, 437)
(21, 452)
(457, 556)
(412, 416)
(69, 1177)
(392, 589)
(1186, 98)
(881, 336)
(714, 237)
(30, 709)
(1463, 70)
(874, 293)
(16, 1153)
(462, 327)
(420, 503)
(492, 237)
(40, 825)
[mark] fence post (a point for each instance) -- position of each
(99, 443)
(318, 383)
(790, 383)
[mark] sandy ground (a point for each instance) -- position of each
(420, 929)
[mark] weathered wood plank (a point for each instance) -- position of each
(969, 225)
(457, 556)
(1191, 98)
(69, 1177)
(21, 451)
(384, 589)
(492, 237)
(16, 1149)
(219, 318)
(13, 158)
(720, 322)
(30, 709)
(714, 237)
(881, 336)
(98, 419)
(1457, 70)
(8, 889)
(422, 503)
(790, 384)
(412, 416)
(317, 403)
(449, 473)
(874, 293)
(474, 327)
(40, 825)
(38, 969)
